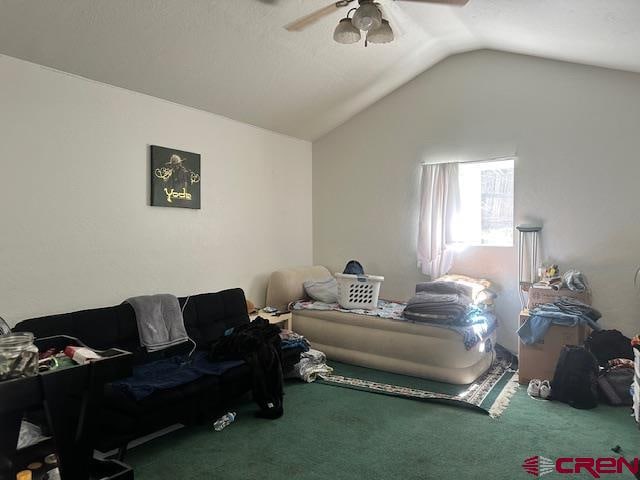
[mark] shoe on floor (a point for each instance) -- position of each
(534, 388)
(545, 389)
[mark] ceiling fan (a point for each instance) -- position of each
(368, 17)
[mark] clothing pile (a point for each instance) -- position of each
(563, 311)
(446, 302)
(290, 339)
(312, 364)
(450, 304)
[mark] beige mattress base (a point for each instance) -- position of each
(395, 346)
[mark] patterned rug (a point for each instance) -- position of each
(490, 393)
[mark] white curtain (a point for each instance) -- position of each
(439, 203)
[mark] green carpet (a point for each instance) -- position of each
(329, 432)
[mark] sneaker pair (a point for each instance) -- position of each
(539, 388)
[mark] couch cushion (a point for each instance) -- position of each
(208, 315)
(119, 399)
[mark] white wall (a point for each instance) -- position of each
(575, 131)
(76, 228)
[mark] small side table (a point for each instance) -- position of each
(284, 320)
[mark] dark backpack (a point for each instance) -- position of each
(575, 378)
(609, 344)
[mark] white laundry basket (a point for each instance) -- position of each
(358, 291)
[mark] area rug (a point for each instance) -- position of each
(490, 393)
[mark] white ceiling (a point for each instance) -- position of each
(232, 57)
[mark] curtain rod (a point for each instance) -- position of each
(486, 160)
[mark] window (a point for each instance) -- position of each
(485, 215)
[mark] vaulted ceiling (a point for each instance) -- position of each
(232, 57)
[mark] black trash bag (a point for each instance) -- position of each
(609, 344)
(353, 267)
(576, 377)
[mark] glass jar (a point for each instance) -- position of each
(18, 356)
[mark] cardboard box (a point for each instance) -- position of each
(538, 295)
(539, 360)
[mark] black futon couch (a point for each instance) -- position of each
(206, 316)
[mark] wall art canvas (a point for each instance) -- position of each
(175, 178)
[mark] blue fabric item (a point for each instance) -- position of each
(565, 311)
(474, 327)
(285, 344)
(353, 267)
(171, 372)
(479, 325)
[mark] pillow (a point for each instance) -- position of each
(322, 290)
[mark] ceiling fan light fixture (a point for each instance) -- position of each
(382, 34)
(345, 32)
(367, 16)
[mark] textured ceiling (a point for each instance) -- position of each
(232, 57)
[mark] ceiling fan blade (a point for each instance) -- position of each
(304, 22)
(458, 3)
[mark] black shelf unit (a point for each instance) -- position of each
(70, 399)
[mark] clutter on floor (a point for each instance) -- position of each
(312, 364)
(539, 389)
(382, 437)
(224, 421)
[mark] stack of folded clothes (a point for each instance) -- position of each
(455, 306)
(441, 302)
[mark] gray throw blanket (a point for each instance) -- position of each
(160, 322)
